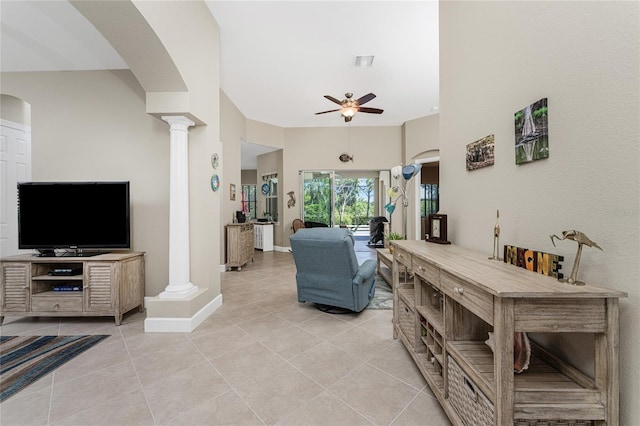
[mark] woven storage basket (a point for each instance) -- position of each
(552, 423)
(407, 322)
(473, 407)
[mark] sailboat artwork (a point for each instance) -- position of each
(532, 132)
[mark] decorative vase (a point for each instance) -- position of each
(391, 247)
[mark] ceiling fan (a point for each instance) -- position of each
(349, 107)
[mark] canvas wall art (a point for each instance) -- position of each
(480, 153)
(532, 132)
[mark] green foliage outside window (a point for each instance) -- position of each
(354, 200)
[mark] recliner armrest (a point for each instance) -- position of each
(365, 271)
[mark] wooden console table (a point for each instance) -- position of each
(109, 284)
(457, 296)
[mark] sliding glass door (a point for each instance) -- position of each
(348, 199)
(318, 193)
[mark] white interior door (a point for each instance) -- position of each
(15, 166)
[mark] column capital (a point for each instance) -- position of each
(178, 121)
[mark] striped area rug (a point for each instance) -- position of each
(25, 359)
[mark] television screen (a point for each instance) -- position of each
(53, 215)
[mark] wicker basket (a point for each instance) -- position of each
(552, 423)
(473, 407)
(407, 322)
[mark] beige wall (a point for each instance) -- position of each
(232, 133)
(265, 134)
(249, 177)
(15, 110)
(270, 163)
(583, 57)
(373, 148)
(422, 138)
(92, 125)
(421, 142)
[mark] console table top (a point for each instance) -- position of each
(498, 278)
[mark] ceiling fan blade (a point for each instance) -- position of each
(366, 98)
(324, 112)
(332, 99)
(370, 110)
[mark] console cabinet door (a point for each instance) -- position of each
(99, 287)
(15, 287)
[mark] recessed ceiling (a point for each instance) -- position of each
(278, 59)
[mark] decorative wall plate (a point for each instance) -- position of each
(265, 189)
(215, 182)
(215, 161)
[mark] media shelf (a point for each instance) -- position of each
(458, 296)
(109, 284)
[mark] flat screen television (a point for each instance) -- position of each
(73, 216)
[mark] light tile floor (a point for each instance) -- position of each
(262, 358)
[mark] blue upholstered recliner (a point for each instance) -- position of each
(327, 269)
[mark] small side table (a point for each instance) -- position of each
(386, 258)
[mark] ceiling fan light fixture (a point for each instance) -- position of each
(349, 111)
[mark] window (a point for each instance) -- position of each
(249, 200)
(269, 189)
(429, 199)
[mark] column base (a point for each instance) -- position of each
(167, 324)
(178, 292)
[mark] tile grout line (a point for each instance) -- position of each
(53, 382)
(232, 388)
(133, 365)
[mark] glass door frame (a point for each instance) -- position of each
(328, 174)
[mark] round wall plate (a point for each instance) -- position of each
(215, 182)
(265, 189)
(215, 161)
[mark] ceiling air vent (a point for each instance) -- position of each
(363, 61)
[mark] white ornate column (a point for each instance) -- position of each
(180, 286)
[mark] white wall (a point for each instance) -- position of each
(495, 59)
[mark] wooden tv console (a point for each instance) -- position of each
(458, 296)
(109, 284)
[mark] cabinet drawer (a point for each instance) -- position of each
(402, 256)
(56, 304)
(477, 301)
(426, 270)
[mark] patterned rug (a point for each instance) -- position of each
(383, 299)
(25, 359)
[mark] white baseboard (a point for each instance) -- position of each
(182, 325)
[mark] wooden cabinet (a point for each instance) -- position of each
(458, 296)
(240, 242)
(109, 284)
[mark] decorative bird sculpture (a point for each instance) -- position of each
(576, 236)
(581, 239)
